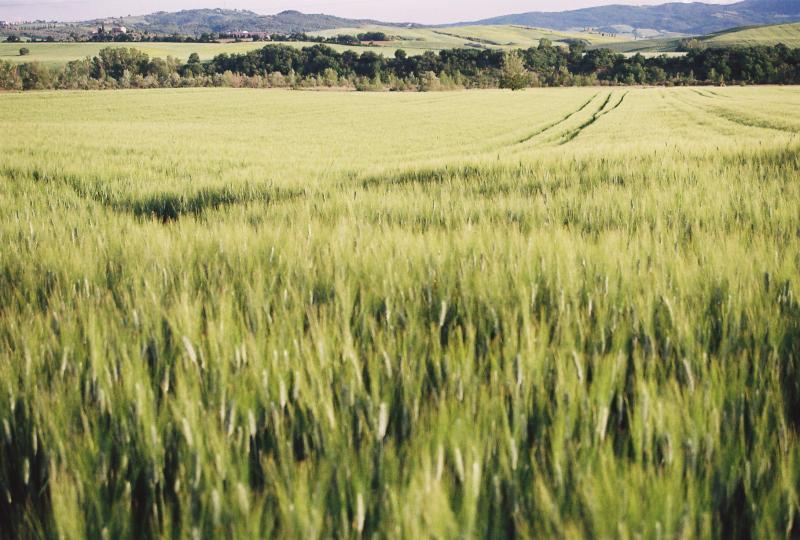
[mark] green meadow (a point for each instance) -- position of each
(788, 34)
(552, 313)
(767, 35)
(58, 54)
(413, 40)
(492, 36)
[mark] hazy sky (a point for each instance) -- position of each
(423, 11)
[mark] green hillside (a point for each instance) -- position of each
(418, 40)
(413, 40)
(788, 34)
(523, 36)
(498, 36)
(651, 46)
(54, 54)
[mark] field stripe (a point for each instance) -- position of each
(700, 115)
(749, 121)
(737, 117)
(548, 127)
(595, 117)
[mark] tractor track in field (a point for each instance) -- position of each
(602, 111)
(716, 94)
(555, 124)
(702, 94)
(713, 95)
(699, 115)
(737, 118)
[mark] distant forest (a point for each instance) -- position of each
(320, 65)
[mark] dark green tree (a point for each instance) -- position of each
(514, 75)
(35, 76)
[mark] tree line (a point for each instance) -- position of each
(213, 37)
(321, 65)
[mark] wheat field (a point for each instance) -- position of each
(551, 313)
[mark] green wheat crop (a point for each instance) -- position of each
(554, 313)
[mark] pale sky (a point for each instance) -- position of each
(422, 11)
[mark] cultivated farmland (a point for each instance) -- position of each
(412, 40)
(492, 36)
(551, 313)
(58, 54)
(768, 35)
(788, 34)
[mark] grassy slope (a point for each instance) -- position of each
(413, 41)
(418, 40)
(554, 313)
(460, 36)
(405, 37)
(657, 45)
(61, 53)
(788, 34)
(519, 36)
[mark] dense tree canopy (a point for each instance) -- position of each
(553, 64)
(545, 65)
(373, 36)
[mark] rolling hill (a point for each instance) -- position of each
(787, 34)
(673, 18)
(481, 36)
(669, 19)
(58, 54)
(650, 29)
(414, 41)
(197, 21)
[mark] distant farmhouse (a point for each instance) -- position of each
(245, 35)
(5, 24)
(115, 29)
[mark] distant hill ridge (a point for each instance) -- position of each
(680, 18)
(198, 21)
(641, 21)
